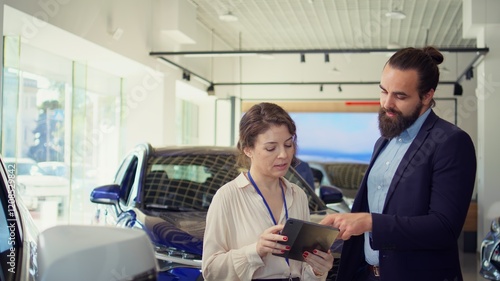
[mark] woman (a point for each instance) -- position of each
(247, 214)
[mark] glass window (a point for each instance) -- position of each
(61, 126)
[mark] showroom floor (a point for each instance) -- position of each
(470, 265)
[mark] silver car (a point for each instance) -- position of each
(490, 252)
(102, 253)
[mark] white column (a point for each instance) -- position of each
(481, 22)
(488, 96)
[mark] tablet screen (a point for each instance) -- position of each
(306, 236)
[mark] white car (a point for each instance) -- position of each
(34, 185)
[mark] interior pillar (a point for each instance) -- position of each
(488, 97)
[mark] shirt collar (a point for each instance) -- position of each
(412, 131)
(242, 181)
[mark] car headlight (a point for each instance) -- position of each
(495, 225)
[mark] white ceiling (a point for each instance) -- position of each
(344, 27)
(312, 25)
(325, 24)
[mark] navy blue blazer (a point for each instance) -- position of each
(424, 212)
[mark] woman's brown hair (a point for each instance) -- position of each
(258, 119)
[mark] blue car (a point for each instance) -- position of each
(167, 191)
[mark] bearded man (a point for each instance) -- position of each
(413, 200)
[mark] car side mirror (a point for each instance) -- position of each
(81, 253)
(330, 194)
(106, 194)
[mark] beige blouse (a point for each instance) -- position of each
(236, 218)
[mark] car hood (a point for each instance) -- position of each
(179, 230)
(43, 181)
(184, 230)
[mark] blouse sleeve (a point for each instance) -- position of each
(219, 262)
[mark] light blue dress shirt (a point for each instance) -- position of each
(382, 172)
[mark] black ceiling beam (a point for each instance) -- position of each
(280, 83)
(309, 51)
(480, 53)
(186, 70)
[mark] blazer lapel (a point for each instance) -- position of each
(412, 150)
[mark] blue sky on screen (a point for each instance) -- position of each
(336, 136)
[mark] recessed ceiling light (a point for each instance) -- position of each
(393, 46)
(266, 56)
(397, 15)
(228, 17)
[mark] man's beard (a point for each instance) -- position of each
(391, 127)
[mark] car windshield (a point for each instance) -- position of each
(189, 182)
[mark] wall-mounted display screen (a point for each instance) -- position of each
(336, 136)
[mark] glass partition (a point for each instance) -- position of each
(58, 117)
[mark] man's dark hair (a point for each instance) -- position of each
(425, 61)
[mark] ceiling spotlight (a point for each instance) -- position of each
(469, 74)
(302, 58)
(457, 89)
(228, 17)
(321, 88)
(266, 56)
(393, 45)
(327, 57)
(340, 89)
(211, 90)
(395, 14)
